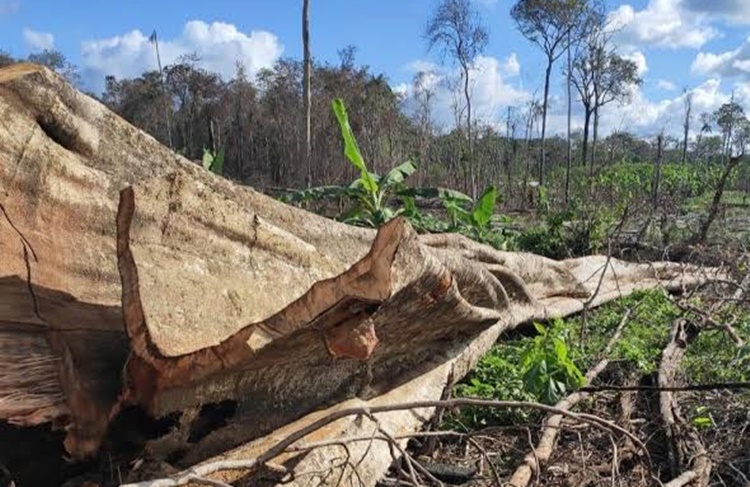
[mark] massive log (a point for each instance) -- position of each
(132, 278)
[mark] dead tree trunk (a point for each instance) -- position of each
(702, 235)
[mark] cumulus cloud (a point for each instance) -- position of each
(642, 115)
(639, 59)
(511, 66)
(666, 85)
(38, 41)
(220, 45)
(663, 23)
(490, 90)
(647, 117)
(736, 11)
(735, 63)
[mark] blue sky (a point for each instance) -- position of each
(701, 45)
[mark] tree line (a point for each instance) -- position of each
(277, 129)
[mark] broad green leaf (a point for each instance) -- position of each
(318, 192)
(208, 159)
(217, 166)
(398, 174)
(442, 193)
(351, 149)
(561, 350)
(485, 207)
(702, 422)
(540, 328)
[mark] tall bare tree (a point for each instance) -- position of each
(423, 98)
(735, 127)
(548, 24)
(686, 123)
(456, 30)
(600, 77)
(306, 82)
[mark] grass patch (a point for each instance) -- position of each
(550, 364)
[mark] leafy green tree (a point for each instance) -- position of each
(549, 24)
(56, 61)
(600, 77)
(728, 117)
(735, 127)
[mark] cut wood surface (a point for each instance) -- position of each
(132, 277)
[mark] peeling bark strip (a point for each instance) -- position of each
(230, 298)
(341, 306)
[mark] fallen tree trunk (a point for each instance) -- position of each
(135, 279)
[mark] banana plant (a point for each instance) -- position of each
(214, 161)
(369, 190)
(372, 193)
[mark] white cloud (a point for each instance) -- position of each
(220, 45)
(491, 93)
(742, 94)
(735, 11)
(647, 118)
(666, 85)
(511, 66)
(421, 65)
(640, 115)
(663, 23)
(487, 3)
(38, 41)
(640, 61)
(730, 63)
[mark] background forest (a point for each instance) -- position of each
(259, 124)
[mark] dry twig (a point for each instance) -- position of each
(532, 461)
(185, 477)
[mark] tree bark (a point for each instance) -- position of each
(656, 181)
(594, 139)
(306, 89)
(686, 126)
(471, 162)
(569, 159)
(585, 144)
(702, 235)
(542, 153)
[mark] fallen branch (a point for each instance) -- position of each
(681, 437)
(541, 454)
(204, 470)
(486, 456)
(711, 322)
